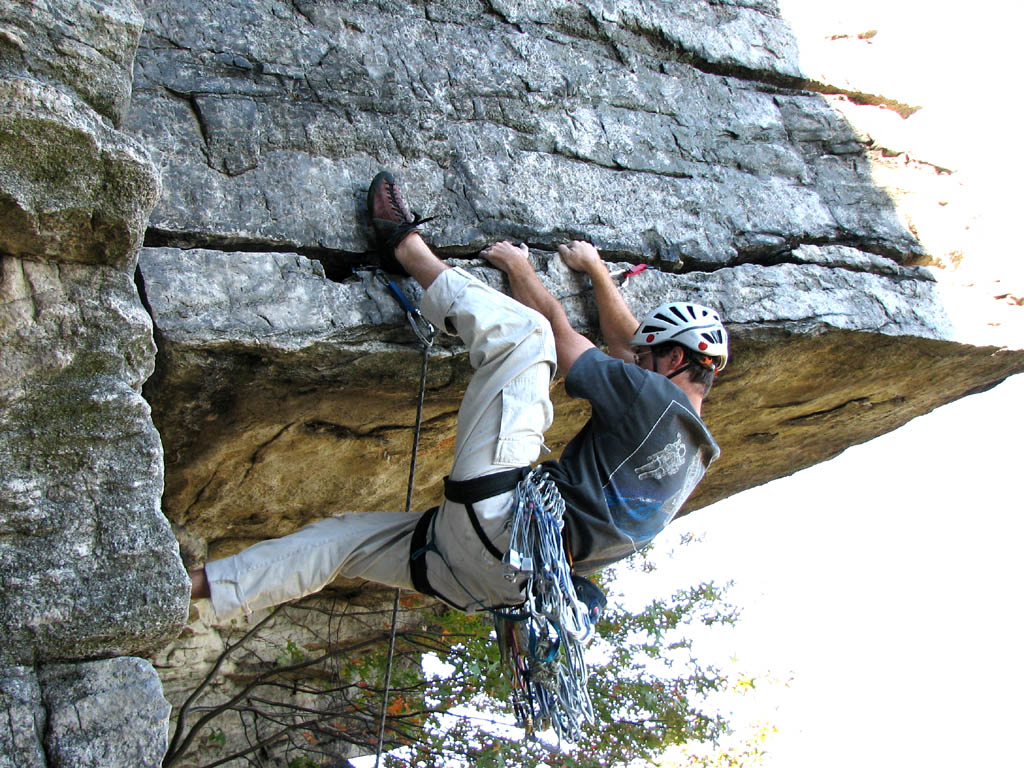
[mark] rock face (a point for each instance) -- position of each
(674, 134)
(88, 563)
(85, 715)
(610, 120)
(680, 134)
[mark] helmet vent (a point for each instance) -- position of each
(651, 329)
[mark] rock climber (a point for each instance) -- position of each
(623, 477)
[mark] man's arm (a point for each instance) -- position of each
(527, 289)
(618, 324)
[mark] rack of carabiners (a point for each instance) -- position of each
(542, 644)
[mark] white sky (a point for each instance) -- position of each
(888, 581)
(888, 584)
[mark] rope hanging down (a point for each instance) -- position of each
(425, 333)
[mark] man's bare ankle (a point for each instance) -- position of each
(200, 584)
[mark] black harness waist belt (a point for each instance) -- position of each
(467, 492)
(480, 488)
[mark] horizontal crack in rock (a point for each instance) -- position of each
(811, 419)
(338, 264)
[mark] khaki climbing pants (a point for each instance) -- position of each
(501, 424)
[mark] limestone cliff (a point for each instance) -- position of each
(680, 134)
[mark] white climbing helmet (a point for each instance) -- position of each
(694, 326)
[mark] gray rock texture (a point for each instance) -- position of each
(89, 567)
(88, 562)
(86, 47)
(100, 714)
(103, 714)
(653, 129)
(71, 187)
(21, 742)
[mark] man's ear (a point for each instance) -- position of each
(678, 357)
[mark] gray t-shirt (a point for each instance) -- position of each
(631, 467)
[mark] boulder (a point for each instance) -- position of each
(88, 562)
(84, 47)
(72, 189)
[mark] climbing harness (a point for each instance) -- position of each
(425, 333)
(542, 644)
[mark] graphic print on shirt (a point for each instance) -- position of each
(667, 461)
(644, 492)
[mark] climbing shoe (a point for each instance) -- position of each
(392, 221)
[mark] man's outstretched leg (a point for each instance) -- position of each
(370, 545)
(504, 414)
(373, 546)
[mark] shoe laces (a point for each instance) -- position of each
(398, 205)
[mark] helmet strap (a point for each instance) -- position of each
(678, 370)
(707, 361)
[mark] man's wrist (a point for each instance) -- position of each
(596, 269)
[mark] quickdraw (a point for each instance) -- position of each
(625, 274)
(424, 331)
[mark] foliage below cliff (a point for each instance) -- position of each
(305, 685)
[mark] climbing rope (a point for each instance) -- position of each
(425, 333)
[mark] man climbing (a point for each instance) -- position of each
(623, 477)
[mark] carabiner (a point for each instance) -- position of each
(421, 327)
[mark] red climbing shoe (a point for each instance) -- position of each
(392, 221)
